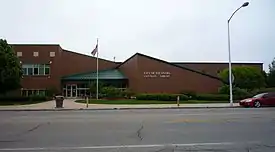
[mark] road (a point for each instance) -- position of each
(174, 130)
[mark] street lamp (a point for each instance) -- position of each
(229, 52)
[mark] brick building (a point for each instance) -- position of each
(50, 66)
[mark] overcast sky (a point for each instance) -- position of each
(172, 30)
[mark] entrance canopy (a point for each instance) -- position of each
(113, 74)
(78, 85)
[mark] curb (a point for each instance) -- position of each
(98, 109)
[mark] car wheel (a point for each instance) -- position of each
(257, 104)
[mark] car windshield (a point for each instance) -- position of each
(259, 95)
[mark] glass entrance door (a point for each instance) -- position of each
(71, 90)
(74, 92)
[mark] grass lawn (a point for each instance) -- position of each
(14, 103)
(128, 101)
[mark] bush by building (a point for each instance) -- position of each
(161, 97)
(190, 94)
(262, 90)
(238, 93)
(111, 92)
(212, 97)
(127, 93)
(8, 100)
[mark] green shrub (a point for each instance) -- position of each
(224, 89)
(241, 94)
(238, 93)
(13, 98)
(127, 93)
(183, 97)
(51, 91)
(146, 97)
(38, 98)
(112, 92)
(263, 90)
(190, 94)
(161, 97)
(22, 99)
(213, 97)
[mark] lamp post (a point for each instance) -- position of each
(229, 53)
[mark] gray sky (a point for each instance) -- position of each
(172, 30)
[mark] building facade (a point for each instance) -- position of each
(51, 67)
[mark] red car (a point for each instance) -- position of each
(259, 100)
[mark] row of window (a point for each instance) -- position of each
(33, 92)
(36, 69)
(35, 54)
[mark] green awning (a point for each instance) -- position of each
(112, 74)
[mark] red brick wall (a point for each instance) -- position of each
(39, 82)
(64, 63)
(73, 63)
(130, 70)
(214, 68)
(179, 80)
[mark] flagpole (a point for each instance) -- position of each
(97, 71)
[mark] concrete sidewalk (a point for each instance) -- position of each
(69, 104)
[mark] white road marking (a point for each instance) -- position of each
(209, 114)
(116, 147)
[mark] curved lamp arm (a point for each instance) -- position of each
(233, 14)
(244, 5)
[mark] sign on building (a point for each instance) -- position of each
(156, 74)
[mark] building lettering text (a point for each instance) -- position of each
(157, 74)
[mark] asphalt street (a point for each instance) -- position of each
(163, 130)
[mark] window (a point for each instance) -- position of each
(52, 54)
(35, 54)
(30, 71)
(259, 95)
(30, 92)
(19, 54)
(27, 69)
(47, 69)
(24, 92)
(41, 69)
(36, 69)
(269, 95)
(25, 72)
(35, 92)
(42, 92)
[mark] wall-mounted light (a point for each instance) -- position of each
(20, 62)
(51, 62)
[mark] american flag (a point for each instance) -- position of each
(95, 50)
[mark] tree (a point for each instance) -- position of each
(271, 74)
(92, 87)
(10, 68)
(245, 77)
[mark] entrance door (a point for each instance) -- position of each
(71, 90)
(74, 92)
